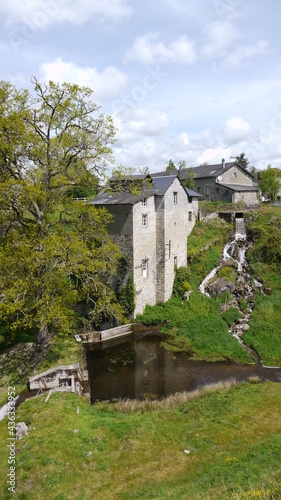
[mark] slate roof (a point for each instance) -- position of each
(158, 188)
(212, 170)
(240, 187)
(193, 194)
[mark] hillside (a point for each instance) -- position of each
(219, 442)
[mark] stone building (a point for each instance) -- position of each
(151, 228)
(226, 182)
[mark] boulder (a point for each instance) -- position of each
(21, 430)
(220, 286)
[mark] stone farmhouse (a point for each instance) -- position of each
(151, 228)
(226, 182)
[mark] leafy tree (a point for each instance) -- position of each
(242, 160)
(269, 183)
(189, 178)
(171, 168)
(182, 165)
(54, 252)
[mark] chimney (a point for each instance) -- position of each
(223, 163)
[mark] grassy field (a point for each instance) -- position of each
(198, 326)
(264, 228)
(223, 442)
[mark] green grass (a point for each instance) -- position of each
(264, 227)
(199, 326)
(264, 334)
(137, 449)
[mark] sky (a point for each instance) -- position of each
(183, 80)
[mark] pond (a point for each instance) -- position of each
(137, 366)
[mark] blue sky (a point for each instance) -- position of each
(187, 80)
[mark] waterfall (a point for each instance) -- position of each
(228, 252)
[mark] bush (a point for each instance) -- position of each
(181, 282)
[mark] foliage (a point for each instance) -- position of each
(189, 179)
(171, 168)
(54, 253)
(264, 334)
(231, 315)
(269, 182)
(181, 281)
(264, 228)
(127, 297)
(242, 160)
(228, 273)
(137, 450)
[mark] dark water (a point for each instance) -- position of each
(136, 367)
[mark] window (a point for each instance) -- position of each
(144, 268)
(198, 189)
(175, 195)
(235, 174)
(175, 261)
(190, 216)
(217, 190)
(207, 191)
(144, 220)
(144, 202)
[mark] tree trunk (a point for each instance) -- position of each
(43, 334)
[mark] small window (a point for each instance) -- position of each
(144, 202)
(144, 267)
(175, 195)
(207, 191)
(190, 216)
(198, 189)
(144, 220)
(235, 174)
(175, 261)
(217, 191)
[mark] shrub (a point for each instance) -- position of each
(181, 282)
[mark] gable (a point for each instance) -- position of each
(235, 175)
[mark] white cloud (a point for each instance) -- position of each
(106, 85)
(236, 130)
(41, 13)
(147, 50)
(243, 54)
(220, 37)
(213, 155)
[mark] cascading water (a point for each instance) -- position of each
(236, 250)
(228, 252)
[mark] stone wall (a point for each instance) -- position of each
(144, 254)
(235, 175)
(248, 197)
(176, 230)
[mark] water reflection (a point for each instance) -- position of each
(137, 367)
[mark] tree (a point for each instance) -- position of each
(189, 178)
(171, 168)
(242, 160)
(54, 252)
(182, 165)
(269, 183)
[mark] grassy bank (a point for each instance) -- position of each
(198, 326)
(264, 228)
(24, 360)
(222, 443)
